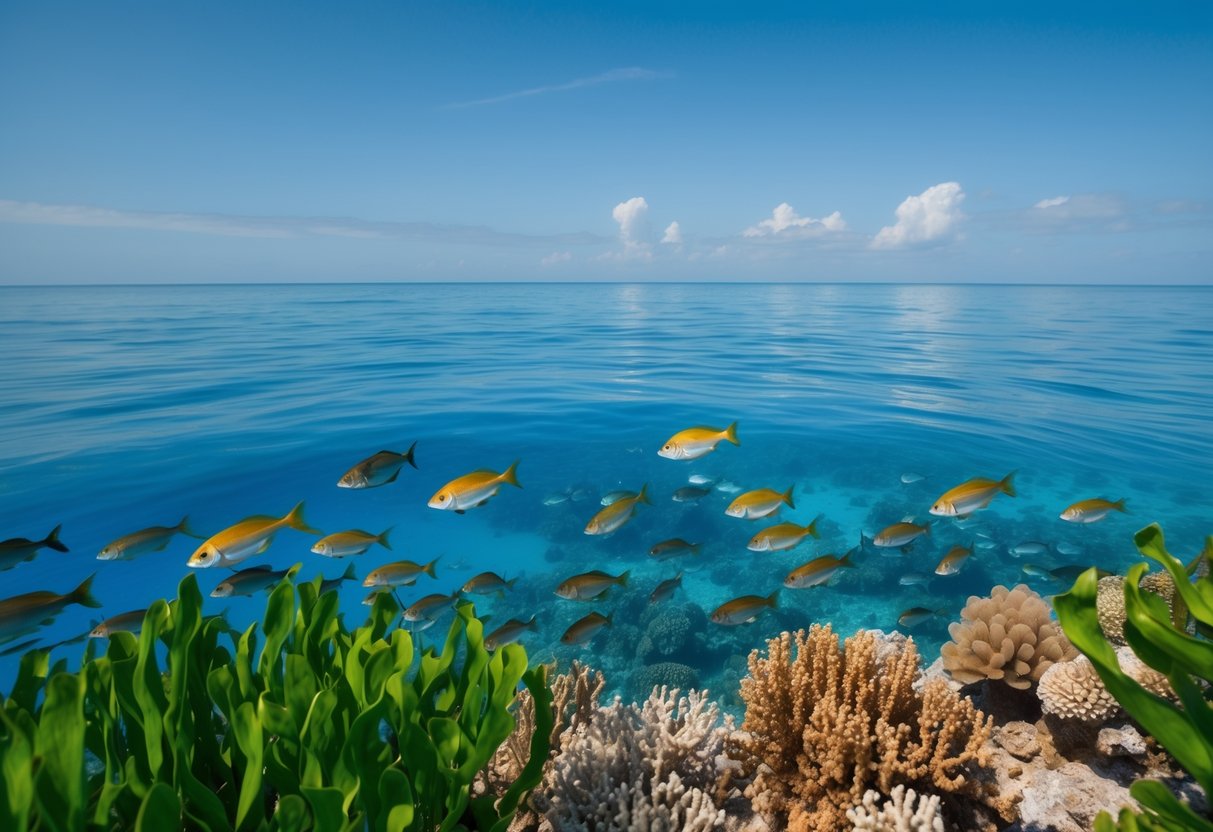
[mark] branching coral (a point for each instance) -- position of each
(904, 811)
(632, 767)
(824, 723)
(1009, 636)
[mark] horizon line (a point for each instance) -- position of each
(860, 281)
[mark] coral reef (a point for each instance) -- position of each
(904, 811)
(663, 674)
(1072, 690)
(638, 767)
(1009, 636)
(1110, 602)
(824, 723)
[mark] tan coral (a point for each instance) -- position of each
(1146, 676)
(1073, 690)
(824, 723)
(904, 811)
(1110, 602)
(1009, 636)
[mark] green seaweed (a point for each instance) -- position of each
(315, 728)
(1186, 729)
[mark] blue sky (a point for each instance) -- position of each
(165, 142)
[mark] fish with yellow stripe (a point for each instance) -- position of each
(613, 517)
(698, 441)
(761, 502)
(249, 537)
(972, 495)
(474, 489)
(1092, 511)
(782, 536)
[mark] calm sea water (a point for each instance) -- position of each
(125, 407)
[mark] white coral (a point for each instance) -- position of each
(904, 811)
(646, 768)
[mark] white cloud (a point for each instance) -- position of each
(929, 217)
(630, 73)
(673, 234)
(633, 227)
(1052, 202)
(786, 222)
(556, 258)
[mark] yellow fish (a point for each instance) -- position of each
(759, 503)
(900, 534)
(127, 622)
(249, 537)
(474, 489)
(430, 606)
(1092, 511)
(617, 513)
(951, 563)
(248, 581)
(379, 469)
(486, 583)
(590, 585)
(23, 614)
(781, 536)
(353, 542)
(585, 628)
(817, 571)
(400, 573)
(509, 632)
(137, 544)
(18, 550)
(695, 442)
(972, 495)
(673, 548)
(743, 610)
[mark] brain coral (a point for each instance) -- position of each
(1073, 690)
(1009, 636)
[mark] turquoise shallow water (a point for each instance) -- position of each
(125, 407)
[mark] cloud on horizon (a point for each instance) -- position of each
(786, 223)
(228, 225)
(930, 217)
(630, 73)
(633, 228)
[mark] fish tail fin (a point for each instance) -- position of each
(184, 528)
(429, 567)
(622, 580)
(787, 497)
(1119, 505)
(510, 583)
(408, 455)
(772, 600)
(1008, 485)
(83, 594)
(697, 548)
(348, 574)
(511, 475)
(53, 541)
(730, 433)
(383, 538)
(812, 527)
(643, 496)
(927, 528)
(678, 577)
(295, 520)
(845, 560)
(610, 619)
(532, 626)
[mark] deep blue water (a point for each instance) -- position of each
(125, 407)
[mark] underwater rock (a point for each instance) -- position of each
(1019, 739)
(1121, 741)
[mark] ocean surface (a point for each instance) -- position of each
(128, 407)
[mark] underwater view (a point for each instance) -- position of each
(858, 406)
